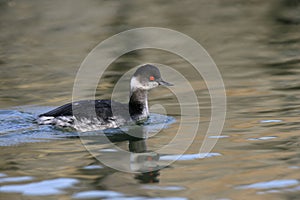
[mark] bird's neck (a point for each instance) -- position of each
(138, 105)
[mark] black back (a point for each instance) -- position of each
(105, 109)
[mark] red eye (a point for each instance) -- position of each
(151, 78)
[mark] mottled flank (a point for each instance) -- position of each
(82, 124)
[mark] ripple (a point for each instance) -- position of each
(167, 188)
(293, 189)
(271, 184)
(93, 167)
(108, 150)
(294, 167)
(271, 121)
(16, 179)
(189, 156)
(263, 138)
(112, 195)
(218, 136)
(96, 194)
(43, 188)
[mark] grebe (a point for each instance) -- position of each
(88, 115)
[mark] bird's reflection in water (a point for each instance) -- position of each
(143, 161)
(136, 159)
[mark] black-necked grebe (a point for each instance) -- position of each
(88, 115)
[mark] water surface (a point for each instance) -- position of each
(256, 47)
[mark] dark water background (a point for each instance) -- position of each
(255, 44)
